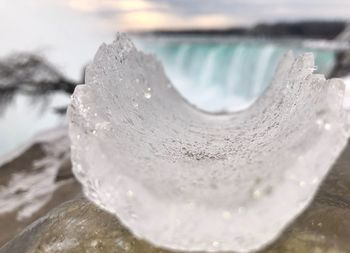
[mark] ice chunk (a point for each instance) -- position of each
(188, 180)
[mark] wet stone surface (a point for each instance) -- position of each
(33, 182)
(79, 226)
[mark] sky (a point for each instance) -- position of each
(151, 14)
(68, 32)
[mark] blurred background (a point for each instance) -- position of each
(220, 54)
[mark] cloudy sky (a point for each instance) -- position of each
(150, 14)
(75, 28)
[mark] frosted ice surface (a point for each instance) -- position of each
(188, 180)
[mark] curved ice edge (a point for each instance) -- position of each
(127, 99)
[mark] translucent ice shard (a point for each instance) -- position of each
(188, 180)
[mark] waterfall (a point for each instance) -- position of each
(225, 75)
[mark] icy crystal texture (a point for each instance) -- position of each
(188, 180)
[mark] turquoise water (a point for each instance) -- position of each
(226, 76)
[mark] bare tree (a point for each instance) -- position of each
(31, 74)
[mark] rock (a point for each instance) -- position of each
(33, 181)
(342, 65)
(79, 226)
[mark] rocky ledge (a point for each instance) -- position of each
(34, 180)
(79, 226)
